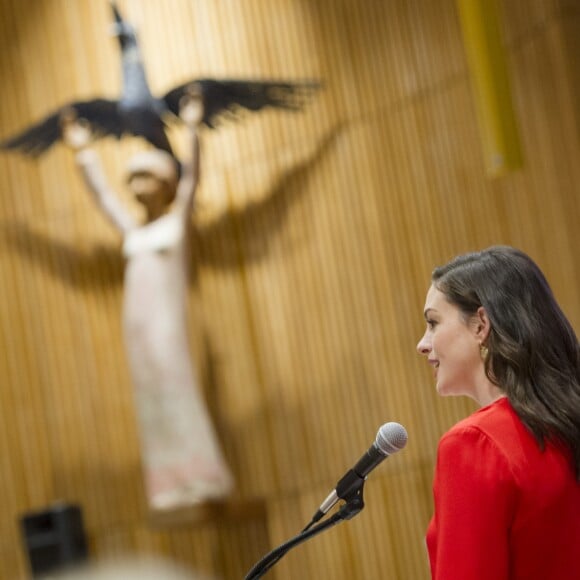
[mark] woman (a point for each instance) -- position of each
(506, 487)
(181, 457)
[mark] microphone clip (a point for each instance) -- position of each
(350, 490)
(354, 504)
(350, 486)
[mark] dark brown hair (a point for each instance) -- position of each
(534, 355)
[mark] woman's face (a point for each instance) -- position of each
(452, 347)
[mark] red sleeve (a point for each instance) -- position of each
(474, 498)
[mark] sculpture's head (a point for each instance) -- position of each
(152, 177)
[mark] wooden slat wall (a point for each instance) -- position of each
(315, 237)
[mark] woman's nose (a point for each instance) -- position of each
(423, 346)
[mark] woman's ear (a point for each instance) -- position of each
(482, 325)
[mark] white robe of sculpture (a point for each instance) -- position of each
(182, 459)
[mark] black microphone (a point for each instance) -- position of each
(391, 437)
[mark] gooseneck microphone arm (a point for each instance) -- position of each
(350, 509)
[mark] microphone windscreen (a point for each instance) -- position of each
(392, 437)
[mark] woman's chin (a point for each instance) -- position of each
(443, 389)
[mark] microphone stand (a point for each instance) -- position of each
(354, 504)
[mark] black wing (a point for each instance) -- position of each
(223, 96)
(102, 114)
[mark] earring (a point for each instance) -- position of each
(483, 352)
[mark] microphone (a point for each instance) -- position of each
(391, 437)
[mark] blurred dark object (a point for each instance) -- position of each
(54, 538)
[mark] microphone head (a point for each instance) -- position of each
(392, 437)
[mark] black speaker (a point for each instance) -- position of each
(54, 538)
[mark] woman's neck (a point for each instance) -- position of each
(488, 395)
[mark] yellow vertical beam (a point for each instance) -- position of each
(480, 23)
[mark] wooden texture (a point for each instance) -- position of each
(315, 235)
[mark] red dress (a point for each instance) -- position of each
(504, 510)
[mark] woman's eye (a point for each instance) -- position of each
(431, 324)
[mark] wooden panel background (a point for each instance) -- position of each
(315, 235)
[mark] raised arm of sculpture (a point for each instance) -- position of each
(191, 112)
(78, 136)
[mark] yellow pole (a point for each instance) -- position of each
(480, 23)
